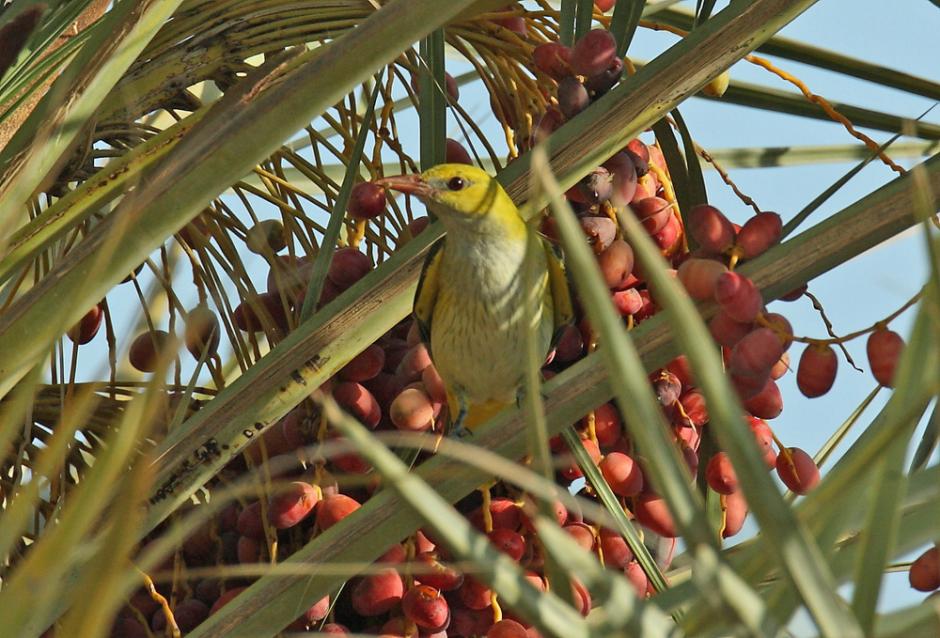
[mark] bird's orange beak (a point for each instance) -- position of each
(408, 184)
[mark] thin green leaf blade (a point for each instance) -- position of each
(321, 263)
(696, 180)
(432, 100)
(624, 22)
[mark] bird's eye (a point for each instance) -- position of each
(455, 183)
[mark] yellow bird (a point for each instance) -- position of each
(477, 287)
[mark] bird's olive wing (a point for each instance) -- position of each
(562, 307)
(426, 294)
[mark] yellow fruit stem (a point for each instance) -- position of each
(598, 547)
(818, 100)
(158, 598)
(487, 514)
(670, 196)
(785, 453)
(497, 610)
(724, 516)
(824, 104)
(705, 155)
(592, 426)
(359, 231)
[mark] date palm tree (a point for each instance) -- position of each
(179, 172)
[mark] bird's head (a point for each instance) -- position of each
(463, 196)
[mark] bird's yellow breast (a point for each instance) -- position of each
(487, 289)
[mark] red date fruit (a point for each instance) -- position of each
(668, 238)
(366, 201)
(573, 470)
(335, 508)
(247, 315)
(766, 404)
(925, 571)
(711, 229)
(599, 83)
(412, 411)
(365, 365)
(426, 608)
(418, 224)
(504, 512)
(266, 237)
(147, 349)
(600, 232)
(738, 297)
(470, 622)
(572, 97)
(616, 264)
(735, 509)
(434, 384)
(651, 511)
(653, 213)
(628, 302)
(581, 534)
(359, 402)
(570, 345)
(765, 440)
(509, 542)
(202, 331)
(607, 424)
(596, 186)
(681, 368)
(758, 234)
(455, 153)
(781, 367)
(817, 370)
(720, 475)
(507, 628)
(594, 52)
(693, 404)
(377, 593)
(667, 387)
(317, 611)
(249, 521)
(699, 276)
(187, 614)
(515, 23)
(623, 171)
(638, 148)
(87, 327)
(581, 596)
(293, 505)
(800, 476)
(755, 354)
(637, 578)
(249, 550)
(781, 327)
(434, 573)
(884, 349)
(474, 594)
(553, 59)
(347, 267)
(450, 85)
(413, 364)
(617, 553)
(226, 598)
(726, 331)
(622, 473)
